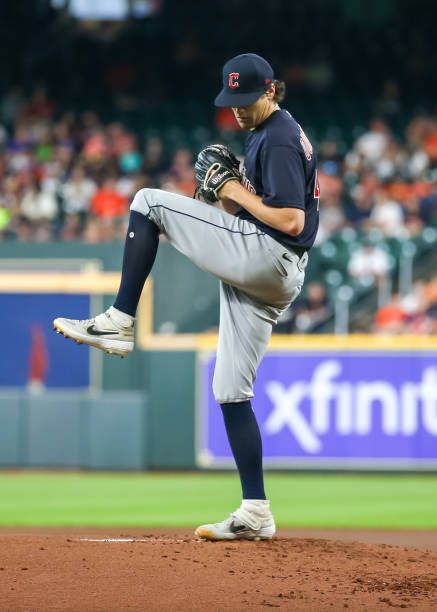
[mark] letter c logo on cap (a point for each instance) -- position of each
(233, 79)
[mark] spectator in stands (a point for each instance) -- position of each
(96, 146)
(420, 130)
(332, 216)
(391, 318)
(416, 306)
(390, 165)
(387, 216)
(414, 313)
(120, 140)
(108, 202)
(38, 206)
(413, 224)
(10, 194)
(77, 192)
(181, 172)
(154, 163)
(314, 308)
(362, 197)
(373, 143)
(431, 298)
(72, 227)
(430, 144)
(427, 205)
(369, 262)
(93, 232)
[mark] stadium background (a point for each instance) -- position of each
(100, 98)
(94, 106)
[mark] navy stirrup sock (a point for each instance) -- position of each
(245, 440)
(140, 248)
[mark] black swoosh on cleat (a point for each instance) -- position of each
(237, 528)
(287, 257)
(95, 332)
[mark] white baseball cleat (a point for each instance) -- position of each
(252, 521)
(106, 331)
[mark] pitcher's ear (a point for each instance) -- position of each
(280, 90)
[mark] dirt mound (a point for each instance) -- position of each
(152, 571)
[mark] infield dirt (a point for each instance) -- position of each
(49, 570)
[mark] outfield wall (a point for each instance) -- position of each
(355, 402)
(73, 430)
(152, 427)
(322, 403)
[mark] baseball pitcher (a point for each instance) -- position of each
(256, 243)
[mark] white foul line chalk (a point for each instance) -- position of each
(111, 540)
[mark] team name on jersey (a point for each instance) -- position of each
(245, 181)
(305, 144)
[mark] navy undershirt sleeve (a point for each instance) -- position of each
(283, 177)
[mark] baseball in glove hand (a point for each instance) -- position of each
(215, 166)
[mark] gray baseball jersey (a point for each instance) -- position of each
(259, 279)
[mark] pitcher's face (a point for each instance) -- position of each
(248, 117)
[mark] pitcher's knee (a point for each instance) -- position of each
(231, 391)
(142, 201)
(139, 203)
(145, 202)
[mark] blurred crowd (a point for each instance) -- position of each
(71, 177)
(414, 313)
(382, 182)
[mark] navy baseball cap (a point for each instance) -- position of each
(245, 78)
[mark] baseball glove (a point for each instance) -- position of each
(215, 166)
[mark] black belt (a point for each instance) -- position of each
(300, 251)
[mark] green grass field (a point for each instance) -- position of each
(184, 500)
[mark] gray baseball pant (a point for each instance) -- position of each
(257, 281)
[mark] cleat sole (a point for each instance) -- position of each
(207, 534)
(121, 350)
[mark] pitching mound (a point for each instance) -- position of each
(87, 571)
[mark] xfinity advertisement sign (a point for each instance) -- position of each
(341, 409)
